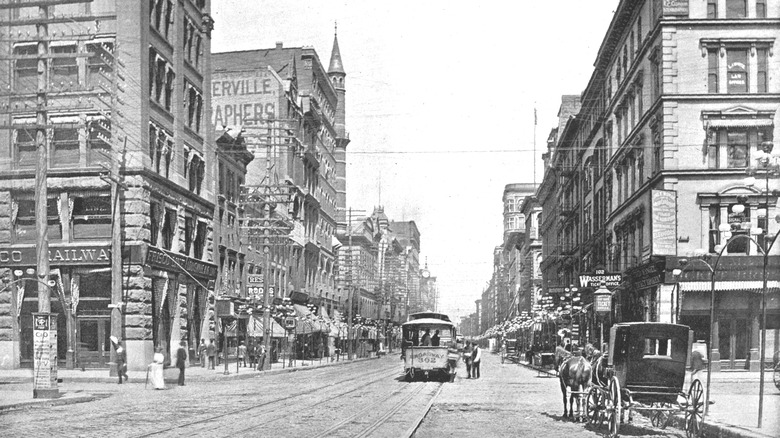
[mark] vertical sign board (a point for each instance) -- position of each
(675, 8)
(44, 355)
(254, 286)
(664, 211)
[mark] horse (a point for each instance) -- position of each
(561, 354)
(575, 374)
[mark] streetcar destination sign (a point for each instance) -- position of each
(427, 359)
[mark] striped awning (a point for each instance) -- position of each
(751, 286)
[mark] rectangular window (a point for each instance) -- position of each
(737, 148)
(760, 8)
(712, 9)
(98, 147)
(189, 229)
(714, 221)
(738, 246)
(24, 144)
(736, 65)
(639, 34)
(65, 147)
(169, 229)
(100, 65)
(712, 70)
(736, 8)
(200, 240)
(713, 148)
(761, 67)
(91, 217)
(168, 18)
(154, 221)
(26, 70)
(24, 226)
(64, 71)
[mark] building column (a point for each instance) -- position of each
(715, 347)
(754, 356)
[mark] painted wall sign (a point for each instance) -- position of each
(58, 255)
(172, 261)
(664, 214)
(246, 98)
(675, 7)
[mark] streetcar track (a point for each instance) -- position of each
(259, 405)
(392, 411)
(360, 413)
(329, 398)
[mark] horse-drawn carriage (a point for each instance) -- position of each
(645, 371)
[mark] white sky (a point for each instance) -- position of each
(426, 79)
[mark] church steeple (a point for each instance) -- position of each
(336, 66)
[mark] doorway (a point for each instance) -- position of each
(733, 341)
(93, 343)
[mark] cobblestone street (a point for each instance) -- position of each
(365, 398)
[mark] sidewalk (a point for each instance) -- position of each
(82, 386)
(734, 412)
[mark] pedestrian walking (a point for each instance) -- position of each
(181, 359)
(211, 352)
(121, 359)
(251, 351)
(476, 359)
(156, 369)
(242, 354)
(467, 352)
(202, 353)
(261, 358)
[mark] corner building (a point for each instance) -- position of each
(682, 101)
(132, 91)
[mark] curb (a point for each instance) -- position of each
(48, 402)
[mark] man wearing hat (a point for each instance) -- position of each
(121, 359)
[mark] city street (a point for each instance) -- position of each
(365, 398)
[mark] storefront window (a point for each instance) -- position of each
(91, 217)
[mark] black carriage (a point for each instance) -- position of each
(645, 371)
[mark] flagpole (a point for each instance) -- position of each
(534, 158)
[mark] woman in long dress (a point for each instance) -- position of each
(156, 369)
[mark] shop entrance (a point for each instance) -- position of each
(733, 341)
(93, 342)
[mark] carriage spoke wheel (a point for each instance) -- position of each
(613, 407)
(695, 410)
(595, 407)
(776, 376)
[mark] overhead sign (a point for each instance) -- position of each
(177, 262)
(58, 255)
(664, 223)
(675, 7)
(594, 280)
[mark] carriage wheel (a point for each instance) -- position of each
(776, 376)
(594, 407)
(613, 407)
(695, 409)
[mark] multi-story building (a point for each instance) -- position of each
(408, 235)
(682, 102)
(529, 258)
(127, 82)
(510, 259)
(292, 113)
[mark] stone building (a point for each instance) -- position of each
(681, 104)
(133, 91)
(292, 111)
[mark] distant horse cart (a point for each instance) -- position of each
(645, 371)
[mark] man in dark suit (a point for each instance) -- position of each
(181, 359)
(476, 360)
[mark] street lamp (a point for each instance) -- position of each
(770, 164)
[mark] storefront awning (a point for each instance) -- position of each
(751, 286)
(255, 328)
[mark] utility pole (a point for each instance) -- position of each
(267, 261)
(351, 286)
(42, 147)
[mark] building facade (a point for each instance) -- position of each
(651, 171)
(132, 92)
